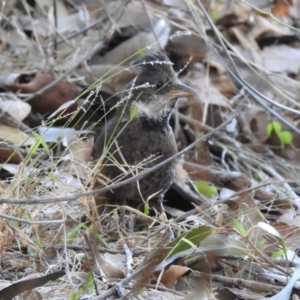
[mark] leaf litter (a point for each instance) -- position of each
(232, 214)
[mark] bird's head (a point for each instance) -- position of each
(154, 92)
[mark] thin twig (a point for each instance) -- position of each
(31, 222)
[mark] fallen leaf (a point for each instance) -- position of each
(281, 58)
(146, 41)
(20, 286)
(172, 274)
(15, 136)
(49, 100)
(18, 109)
(10, 154)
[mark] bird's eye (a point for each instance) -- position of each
(159, 84)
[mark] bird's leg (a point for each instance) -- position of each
(161, 208)
(163, 216)
(123, 219)
(131, 221)
(126, 222)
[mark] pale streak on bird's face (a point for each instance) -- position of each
(156, 109)
(155, 103)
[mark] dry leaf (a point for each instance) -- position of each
(28, 283)
(10, 154)
(263, 25)
(113, 79)
(15, 136)
(80, 154)
(281, 8)
(25, 239)
(18, 109)
(58, 134)
(50, 100)
(143, 41)
(281, 59)
(173, 273)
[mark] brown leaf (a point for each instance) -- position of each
(173, 273)
(25, 239)
(50, 100)
(233, 180)
(10, 154)
(24, 285)
(186, 46)
(280, 8)
(104, 264)
(157, 39)
(131, 46)
(113, 78)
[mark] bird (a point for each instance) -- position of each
(139, 135)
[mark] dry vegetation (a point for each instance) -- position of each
(232, 216)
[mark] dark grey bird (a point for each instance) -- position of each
(139, 135)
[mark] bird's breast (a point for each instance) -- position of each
(137, 145)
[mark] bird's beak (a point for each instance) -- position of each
(181, 90)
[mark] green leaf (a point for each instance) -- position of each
(239, 227)
(206, 189)
(258, 211)
(33, 148)
(215, 15)
(146, 208)
(99, 237)
(277, 254)
(75, 231)
(188, 240)
(31, 251)
(132, 112)
(273, 126)
(76, 294)
(89, 283)
(256, 176)
(260, 244)
(182, 245)
(286, 137)
(271, 230)
(42, 141)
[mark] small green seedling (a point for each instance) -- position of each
(273, 126)
(146, 208)
(206, 189)
(285, 137)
